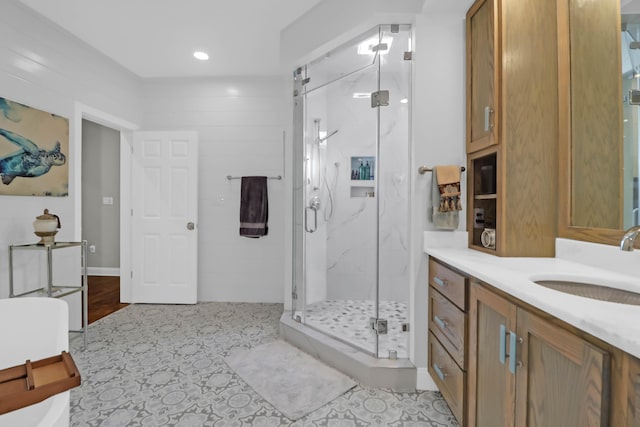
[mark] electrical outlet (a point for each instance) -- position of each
(92, 249)
(478, 218)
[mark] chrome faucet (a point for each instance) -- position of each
(629, 238)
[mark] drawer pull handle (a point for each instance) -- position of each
(439, 281)
(441, 374)
(440, 322)
(503, 344)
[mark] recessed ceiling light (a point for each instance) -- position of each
(202, 56)
(404, 101)
(360, 95)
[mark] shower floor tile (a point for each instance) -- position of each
(348, 320)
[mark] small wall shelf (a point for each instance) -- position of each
(485, 196)
(483, 199)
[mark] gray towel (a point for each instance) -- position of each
(441, 220)
(254, 206)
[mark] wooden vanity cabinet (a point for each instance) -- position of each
(525, 370)
(447, 352)
(512, 125)
(628, 404)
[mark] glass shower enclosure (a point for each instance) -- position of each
(351, 192)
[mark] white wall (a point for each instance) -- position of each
(438, 139)
(240, 122)
(46, 68)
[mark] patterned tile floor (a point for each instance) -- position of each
(157, 365)
(348, 320)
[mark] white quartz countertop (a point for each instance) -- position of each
(614, 323)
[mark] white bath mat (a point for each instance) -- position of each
(293, 382)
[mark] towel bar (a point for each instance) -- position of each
(423, 169)
(229, 177)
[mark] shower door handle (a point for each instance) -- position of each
(314, 205)
(315, 219)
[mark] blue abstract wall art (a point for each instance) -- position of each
(34, 149)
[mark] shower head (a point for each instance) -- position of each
(329, 136)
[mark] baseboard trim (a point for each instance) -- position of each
(424, 381)
(103, 271)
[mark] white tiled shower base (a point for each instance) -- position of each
(348, 320)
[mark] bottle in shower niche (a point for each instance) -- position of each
(361, 171)
(367, 172)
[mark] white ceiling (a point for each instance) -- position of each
(157, 38)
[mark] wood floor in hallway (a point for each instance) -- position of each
(104, 296)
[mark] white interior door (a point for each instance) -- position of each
(165, 208)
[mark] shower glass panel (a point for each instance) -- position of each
(351, 193)
(393, 188)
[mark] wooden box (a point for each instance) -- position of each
(33, 382)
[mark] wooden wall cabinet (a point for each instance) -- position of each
(448, 327)
(483, 77)
(512, 122)
(527, 371)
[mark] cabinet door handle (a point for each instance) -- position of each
(440, 322)
(512, 351)
(488, 112)
(503, 344)
(439, 281)
(439, 371)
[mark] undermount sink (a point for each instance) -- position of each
(593, 291)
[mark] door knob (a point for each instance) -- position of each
(191, 226)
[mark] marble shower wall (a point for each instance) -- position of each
(315, 243)
(341, 257)
(351, 230)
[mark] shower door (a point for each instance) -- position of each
(346, 184)
(393, 188)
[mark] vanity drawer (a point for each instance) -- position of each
(448, 323)
(448, 282)
(450, 379)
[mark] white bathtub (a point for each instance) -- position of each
(34, 328)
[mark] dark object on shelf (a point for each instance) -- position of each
(33, 382)
(487, 179)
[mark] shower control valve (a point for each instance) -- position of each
(315, 203)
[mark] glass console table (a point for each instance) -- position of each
(56, 291)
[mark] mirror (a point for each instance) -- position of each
(599, 68)
(630, 42)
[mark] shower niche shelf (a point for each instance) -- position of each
(363, 191)
(371, 184)
(363, 168)
(362, 176)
